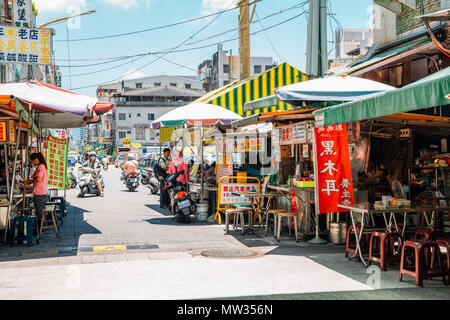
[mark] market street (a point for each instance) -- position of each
(152, 257)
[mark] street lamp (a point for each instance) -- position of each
(67, 18)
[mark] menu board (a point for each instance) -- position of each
(299, 134)
(57, 163)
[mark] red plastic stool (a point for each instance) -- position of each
(422, 268)
(427, 235)
(364, 243)
(386, 253)
(446, 244)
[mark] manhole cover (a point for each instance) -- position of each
(228, 253)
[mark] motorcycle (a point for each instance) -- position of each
(149, 180)
(132, 181)
(87, 184)
(182, 204)
(73, 179)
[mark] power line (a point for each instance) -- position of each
(145, 65)
(193, 42)
(268, 38)
(150, 29)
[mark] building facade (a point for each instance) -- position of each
(394, 19)
(138, 103)
(224, 68)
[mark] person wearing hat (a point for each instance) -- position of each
(93, 163)
(177, 165)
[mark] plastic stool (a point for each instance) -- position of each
(279, 216)
(446, 244)
(30, 222)
(422, 267)
(386, 251)
(63, 204)
(273, 212)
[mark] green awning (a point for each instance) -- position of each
(426, 93)
(266, 102)
(245, 122)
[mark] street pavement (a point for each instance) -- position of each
(122, 246)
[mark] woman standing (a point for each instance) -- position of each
(40, 183)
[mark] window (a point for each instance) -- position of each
(157, 84)
(268, 67)
(187, 85)
(138, 115)
(121, 116)
(226, 82)
(257, 68)
(129, 132)
(226, 68)
(151, 116)
(173, 84)
(139, 85)
(122, 134)
(140, 133)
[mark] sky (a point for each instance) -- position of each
(285, 42)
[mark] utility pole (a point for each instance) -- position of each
(317, 44)
(244, 39)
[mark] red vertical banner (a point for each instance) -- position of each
(334, 176)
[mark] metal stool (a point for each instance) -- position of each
(49, 210)
(273, 213)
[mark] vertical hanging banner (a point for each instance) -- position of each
(334, 176)
(57, 163)
(22, 13)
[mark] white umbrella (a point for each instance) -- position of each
(56, 107)
(196, 113)
(340, 88)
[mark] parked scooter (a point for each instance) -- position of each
(86, 182)
(182, 204)
(132, 181)
(73, 179)
(149, 180)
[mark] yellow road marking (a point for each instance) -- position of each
(40, 253)
(105, 248)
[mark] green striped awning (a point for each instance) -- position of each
(235, 95)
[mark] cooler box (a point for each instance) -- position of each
(305, 184)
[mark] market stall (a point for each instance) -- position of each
(29, 108)
(399, 161)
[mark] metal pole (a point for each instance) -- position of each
(317, 239)
(6, 167)
(203, 166)
(13, 175)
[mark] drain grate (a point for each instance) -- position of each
(228, 253)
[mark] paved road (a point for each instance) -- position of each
(123, 247)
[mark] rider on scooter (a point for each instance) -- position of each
(130, 166)
(93, 163)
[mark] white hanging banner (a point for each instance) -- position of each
(22, 13)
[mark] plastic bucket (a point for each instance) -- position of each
(202, 211)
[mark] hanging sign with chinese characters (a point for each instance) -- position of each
(334, 176)
(57, 163)
(22, 13)
(24, 45)
(286, 135)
